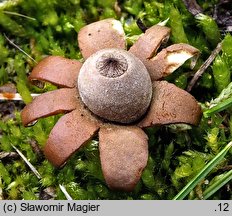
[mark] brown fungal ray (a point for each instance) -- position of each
(166, 61)
(171, 104)
(148, 43)
(123, 154)
(57, 70)
(107, 33)
(171, 58)
(70, 132)
(49, 103)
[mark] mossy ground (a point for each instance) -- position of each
(177, 153)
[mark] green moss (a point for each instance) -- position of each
(210, 28)
(178, 33)
(221, 73)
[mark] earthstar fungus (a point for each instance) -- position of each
(114, 93)
(115, 85)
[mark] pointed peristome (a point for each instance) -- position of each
(123, 155)
(72, 131)
(169, 105)
(107, 33)
(49, 103)
(57, 70)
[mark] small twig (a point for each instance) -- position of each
(204, 66)
(10, 155)
(33, 169)
(141, 25)
(193, 7)
(227, 167)
(63, 189)
(12, 43)
(117, 8)
(13, 96)
(18, 14)
(36, 148)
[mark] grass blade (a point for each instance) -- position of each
(225, 93)
(18, 14)
(16, 46)
(63, 189)
(217, 185)
(33, 169)
(204, 172)
(219, 107)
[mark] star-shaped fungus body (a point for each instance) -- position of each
(114, 93)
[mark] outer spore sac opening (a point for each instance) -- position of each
(111, 65)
